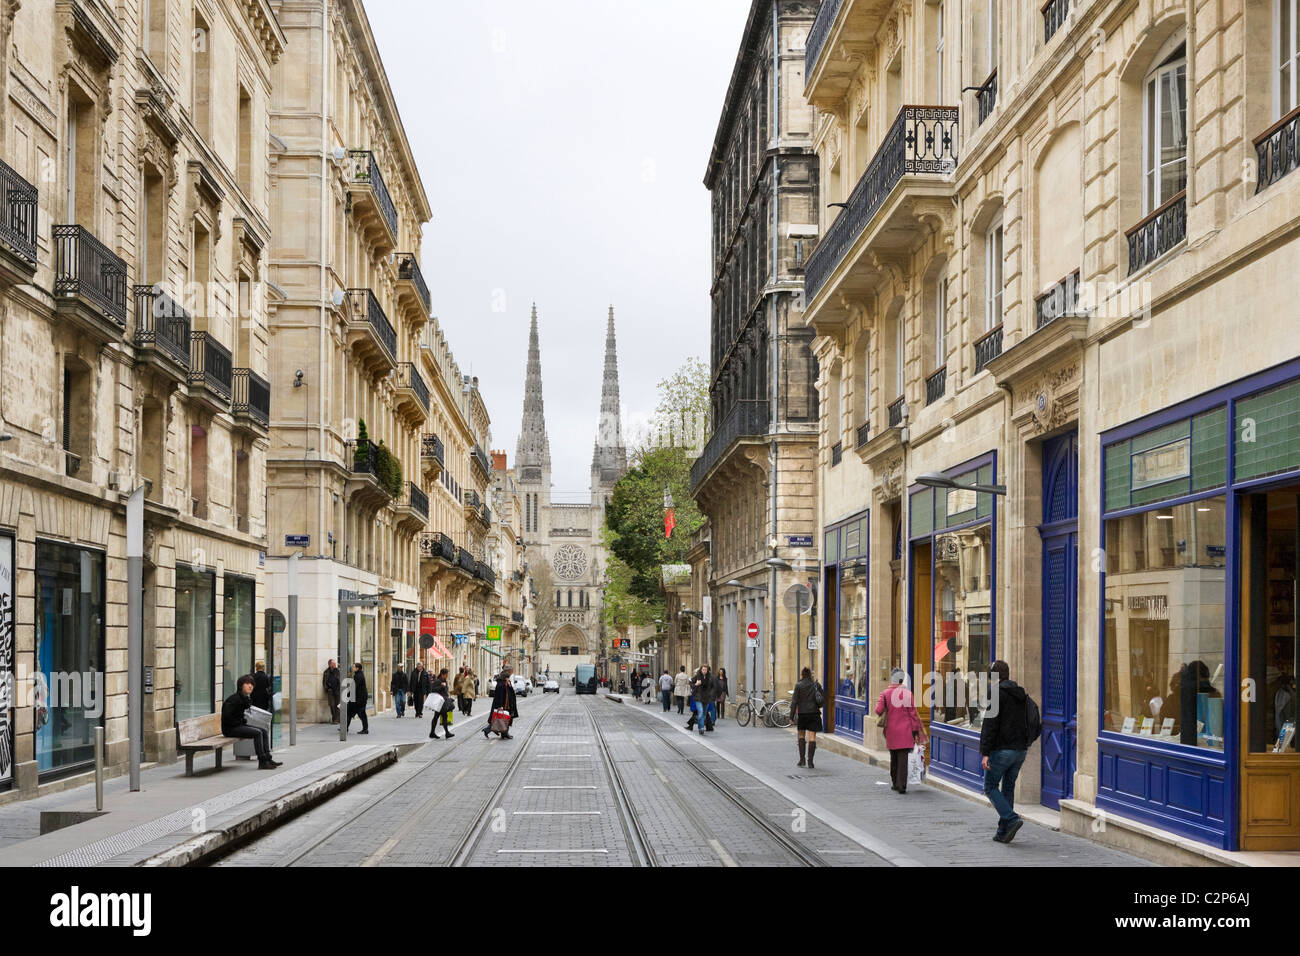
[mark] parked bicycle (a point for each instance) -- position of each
(756, 707)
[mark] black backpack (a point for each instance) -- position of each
(1033, 720)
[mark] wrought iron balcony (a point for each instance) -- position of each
(485, 515)
(986, 97)
(88, 275)
(465, 561)
(921, 141)
(747, 419)
(837, 453)
(1054, 14)
(517, 616)
(417, 499)
(18, 202)
(251, 397)
(1061, 299)
(987, 348)
(480, 458)
(485, 574)
(211, 368)
(436, 545)
(365, 313)
(894, 413)
(162, 327)
(817, 36)
(864, 434)
(471, 499)
(1159, 232)
(364, 172)
(406, 377)
(408, 270)
(935, 385)
(1276, 150)
(431, 447)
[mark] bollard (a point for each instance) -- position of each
(99, 768)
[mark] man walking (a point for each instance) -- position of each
(234, 712)
(419, 686)
(703, 689)
(1004, 740)
(332, 682)
(397, 687)
(666, 689)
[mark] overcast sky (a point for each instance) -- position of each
(563, 150)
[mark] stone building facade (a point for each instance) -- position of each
(1027, 284)
(133, 354)
(755, 479)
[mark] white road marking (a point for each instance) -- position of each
(461, 773)
(561, 788)
(379, 854)
(723, 855)
(660, 774)
(556, 813)
(552, 851)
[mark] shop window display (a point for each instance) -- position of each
(851, 680)
(963, 613)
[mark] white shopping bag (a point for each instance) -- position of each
(435, 703)
(916, 765)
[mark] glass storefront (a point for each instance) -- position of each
(238, 632)
(851, 677)
(70, 654)
(195, 643)
(847, 611)
(963, 618)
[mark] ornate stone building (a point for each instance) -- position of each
(1061, 275)
(755, 478)
(567, 536)
(133, 354)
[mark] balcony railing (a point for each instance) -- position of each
(211, 366)
(517, 616)
(817, 36)
(1276, 150)
(1061, 299)
(466, 561)
(435, 544)
(160, 322)
(472, 499)
(406, 375)
(481, 459)
(84, 268)
(365, 457)
(1054, 14)
(485, 573)
(408, 270)
(935, 385)
(864, 434)
(923, 140)
(417, 499)
(431, 447)
(747, 419)
(986, 97)
(1159, 232)
(365, 170)
(987, 348)
(365, 307)
(485, 515)
(837, 453)
(18, 201)
(251, 396)
(895, 412)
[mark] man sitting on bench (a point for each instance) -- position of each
(233, 714)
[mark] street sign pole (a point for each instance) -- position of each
(293, 648)
(134, 632)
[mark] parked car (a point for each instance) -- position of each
(552, 686)
(523, 686)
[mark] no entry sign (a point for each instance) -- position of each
(752, 630)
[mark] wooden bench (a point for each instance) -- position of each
(199, 734)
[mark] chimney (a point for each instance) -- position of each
(499, 461)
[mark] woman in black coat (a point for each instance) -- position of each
(261, 687)
(444, 715)
(503, 698)
(360, 697)
(419, 688)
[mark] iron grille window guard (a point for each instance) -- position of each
(895, 412)
(987, 97)
(18, 201)
(251, 396)
(365, 171)
(936, 384)
(211, 366)
(921, 141)
(1054, 14)
(408, 270)
(366, 308)
(987, 348)
(1061, 299)
(1159, 232)
(837, 453)
(406, 375)
(864, 434)
(162, 323)
(1276, 150)
(85, 268)
(747, 418)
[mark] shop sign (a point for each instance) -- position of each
(429, 624)
(1168, 462)
(494, 632)
(460, 638)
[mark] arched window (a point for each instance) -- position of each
(1164, 139)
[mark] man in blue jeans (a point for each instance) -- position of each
(1004, 740)
(666, 689)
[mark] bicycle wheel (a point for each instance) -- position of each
(781, 713)
(768, 714)
(743, 714)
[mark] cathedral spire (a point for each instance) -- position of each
(610, 456)
(533, 448)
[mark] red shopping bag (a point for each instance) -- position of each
(500, 721)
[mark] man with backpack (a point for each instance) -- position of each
(1005, 737)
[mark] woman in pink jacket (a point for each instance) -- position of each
(903, 728)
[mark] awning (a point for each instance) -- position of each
(439, 651)
(492, 652)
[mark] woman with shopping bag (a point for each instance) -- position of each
(440, 703)
(896, 712)
(505, 709)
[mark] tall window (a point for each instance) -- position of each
(940, 321)
(938, 52)
(1164, 112)
(201, 74)
(245, 157)
(900, 346)
(993, 276)
(1286, 50)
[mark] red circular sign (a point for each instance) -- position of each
(752, 630)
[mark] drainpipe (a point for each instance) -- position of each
(323, 389)
(773, 338)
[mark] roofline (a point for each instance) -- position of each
(736, 86)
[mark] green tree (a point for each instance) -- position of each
(682, 416)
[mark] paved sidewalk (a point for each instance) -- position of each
(924, 827)
(171, 809)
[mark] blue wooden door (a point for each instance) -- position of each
(1060, 583)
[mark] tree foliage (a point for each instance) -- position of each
(682, 416)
